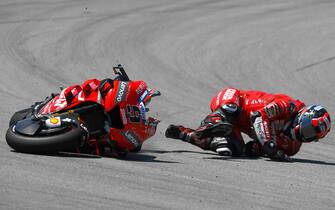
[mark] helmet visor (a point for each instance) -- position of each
(307, 130)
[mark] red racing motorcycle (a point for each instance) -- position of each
(87, 118)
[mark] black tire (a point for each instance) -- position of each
(44, 144)
(20, 115)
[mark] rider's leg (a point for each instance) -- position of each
(206, 136)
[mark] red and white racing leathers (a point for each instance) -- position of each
(264, 116)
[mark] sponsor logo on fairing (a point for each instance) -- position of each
(132, 138)
(121, 92)
(53, 122)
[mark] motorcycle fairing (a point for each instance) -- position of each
(130, 96)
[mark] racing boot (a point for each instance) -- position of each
(220, 146)
(178, 132)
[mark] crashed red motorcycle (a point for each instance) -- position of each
(87, 118)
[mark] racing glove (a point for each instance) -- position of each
(281, 156)
(253, 149)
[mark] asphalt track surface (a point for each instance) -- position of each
(188, 49)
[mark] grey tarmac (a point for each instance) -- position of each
(189, 50)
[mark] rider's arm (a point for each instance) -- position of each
(262, 119)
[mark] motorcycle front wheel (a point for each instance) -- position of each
(65, 141)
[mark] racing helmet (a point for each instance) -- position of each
(312, 123)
